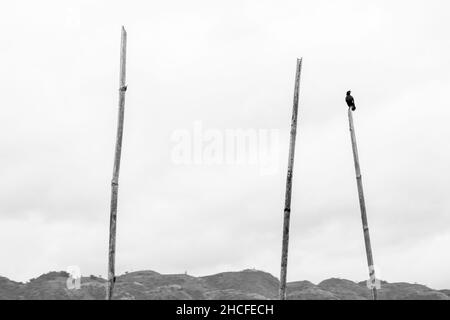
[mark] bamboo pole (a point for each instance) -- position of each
(362, 206)
(115, 178)
(287, 203)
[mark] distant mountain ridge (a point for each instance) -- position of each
(246, 284)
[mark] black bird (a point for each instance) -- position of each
(350, 101)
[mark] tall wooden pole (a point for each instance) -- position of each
(362, 206)
(115, 178)
(287, 203)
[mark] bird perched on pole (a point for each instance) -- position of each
(350, 101)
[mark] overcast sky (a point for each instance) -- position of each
(228, 65)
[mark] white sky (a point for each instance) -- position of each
(229, 64)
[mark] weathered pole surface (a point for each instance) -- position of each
(115, 178)
(362, 206)
(287, 203)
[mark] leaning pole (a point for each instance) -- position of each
(115, 177)
(287, 202)
(362, 206)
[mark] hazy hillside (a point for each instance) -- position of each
(10, 289)
(247, 284)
